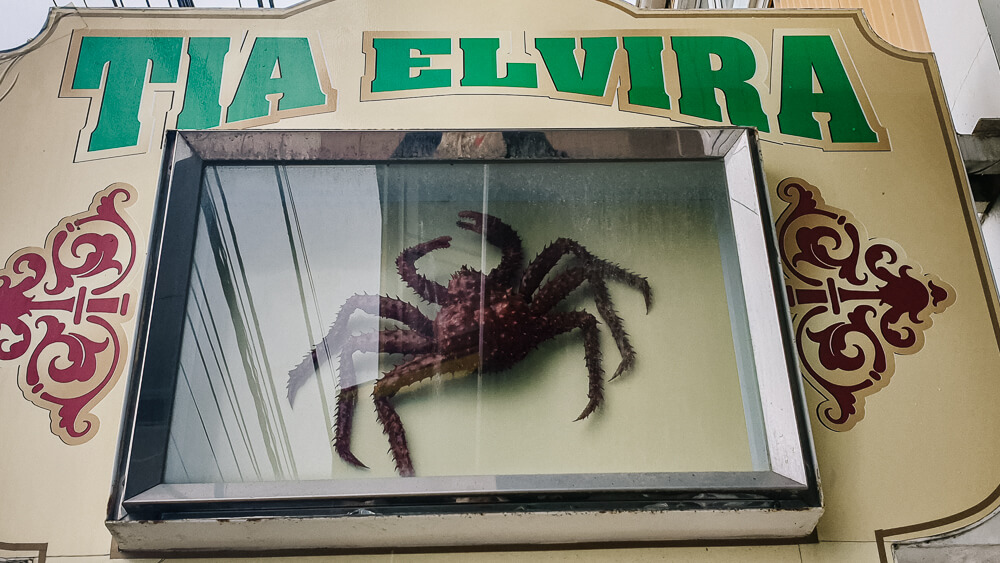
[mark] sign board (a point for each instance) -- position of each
(892, 304)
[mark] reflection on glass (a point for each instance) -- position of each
(280, 250)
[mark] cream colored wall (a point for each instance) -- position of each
(928, 447)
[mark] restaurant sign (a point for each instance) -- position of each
(885, 273)
(809, 93)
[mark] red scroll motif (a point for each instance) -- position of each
(61, 313)
(856, 302)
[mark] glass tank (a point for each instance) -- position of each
(299, 271)
(359, 318)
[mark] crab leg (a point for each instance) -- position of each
(596, 271)
(607, 310)
(502, 236)
(564, 322)
(392, 426)
(428, 290)
(550, 294)
(550, 255)
(405, 374)
(559, 288)
(334, 340)
(347, 403)
(388, 341)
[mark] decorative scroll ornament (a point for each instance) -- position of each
(856, 302)
(62, 308)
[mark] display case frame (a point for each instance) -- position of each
(779, 498)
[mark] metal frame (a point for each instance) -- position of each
(719, 4)
(783, 489)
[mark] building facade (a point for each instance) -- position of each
(239, 317)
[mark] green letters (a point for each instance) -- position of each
(557, 52)
(277, 66)
(699, 81)
(645, 69)
(480, 66)
(296, 79)
(126, 57)
(201, 95)
(802, 56)
(393, 63)
(281, 74)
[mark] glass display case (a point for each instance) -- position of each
(354, 327)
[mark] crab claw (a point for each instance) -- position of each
(438, 243)
(475, 223)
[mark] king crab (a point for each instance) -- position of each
(487, 322)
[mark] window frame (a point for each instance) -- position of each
(782, 502)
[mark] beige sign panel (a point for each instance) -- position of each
(894, 309)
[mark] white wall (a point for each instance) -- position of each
(969, 69)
